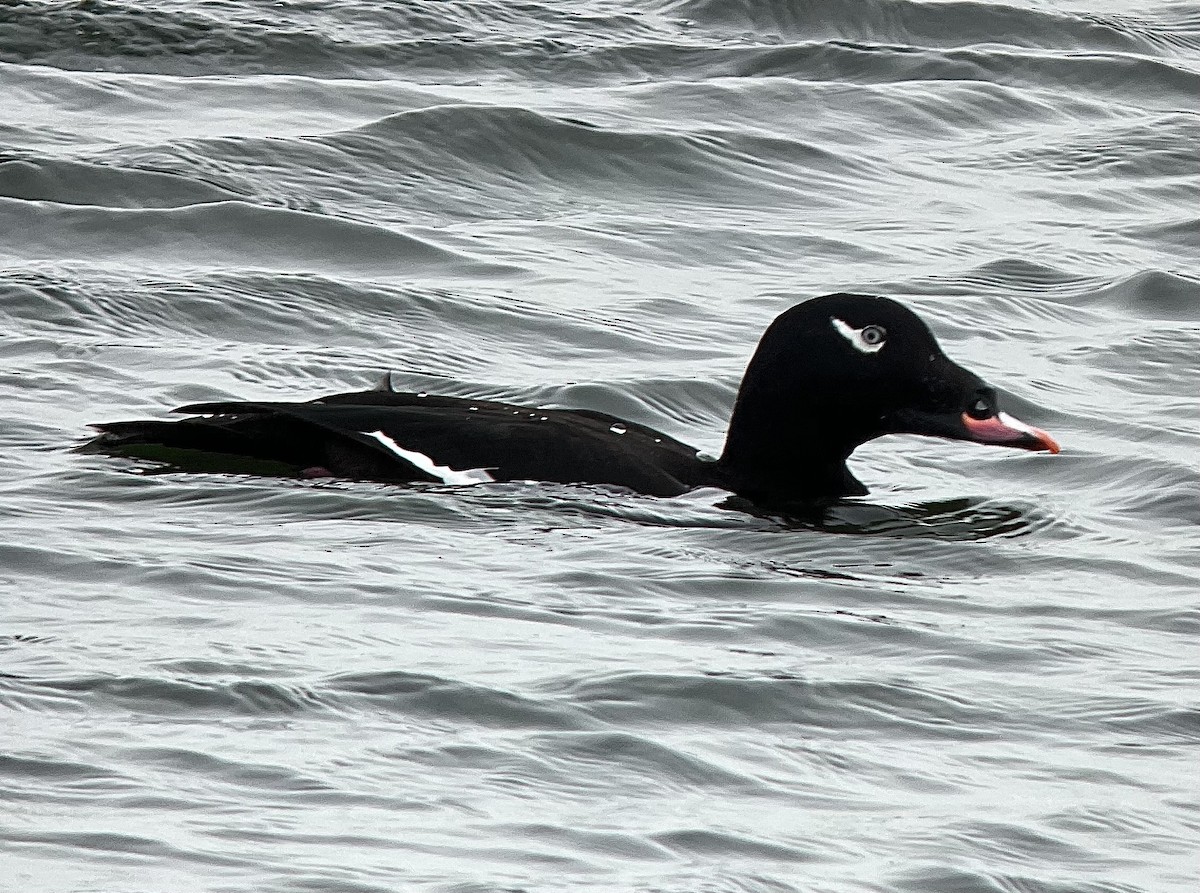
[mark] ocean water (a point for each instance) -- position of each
(984, 676)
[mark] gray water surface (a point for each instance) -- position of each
(983, 677)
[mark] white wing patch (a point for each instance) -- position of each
(855, 336)
(445, 473)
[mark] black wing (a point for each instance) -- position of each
(389, 436)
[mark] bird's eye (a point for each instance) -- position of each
(872, 335)
(868, 339)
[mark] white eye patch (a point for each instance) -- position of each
(868, 339)
(447, 474)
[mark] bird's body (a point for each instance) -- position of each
(397, 437)
(828, 375)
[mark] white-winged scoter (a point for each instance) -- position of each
(828, 375)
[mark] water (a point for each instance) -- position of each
(983, 677)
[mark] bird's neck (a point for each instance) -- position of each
(799, 457)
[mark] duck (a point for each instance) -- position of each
(828, 375)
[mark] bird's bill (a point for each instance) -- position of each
(1000, 429)
(1004, 430)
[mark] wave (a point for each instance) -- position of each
(1134, 155)
(520, 151)
(80, 183)
(472, 162)
(179, 40)
(69, 34)
(1154, 294)
(222, 235)
(1125, 77)
(1142, 296)
(450, 42)
(53, 107)
(585, 707)
(953, 23)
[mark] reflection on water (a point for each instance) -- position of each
(962, 519)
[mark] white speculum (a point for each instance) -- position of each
(855, 336)
(445, 473)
